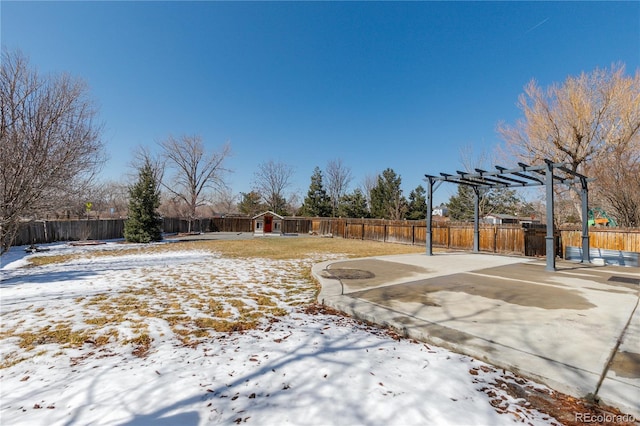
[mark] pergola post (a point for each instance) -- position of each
(429, 241)
(550, 238)
(476, 220)
(584, 196)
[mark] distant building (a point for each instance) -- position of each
(499, 219)
(441, 210)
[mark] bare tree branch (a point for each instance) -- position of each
(270, 181)
(194, 170)
(50, 143)
(338, 178)
(591, 122)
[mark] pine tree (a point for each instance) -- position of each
(490, 201)
(417, 204)
(317, 202)
(387, 201)
(353, 205)
(144, 223)
(251, 204)
(461, 205)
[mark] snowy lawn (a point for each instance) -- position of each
(176, 335)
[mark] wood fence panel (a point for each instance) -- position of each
(440, 235)
(624, 239)
(296, 225)
(230, 224)
(509, 239)
(461, 237)
(354, 229)
(487, 238)
(401, 232)
(375, 230)
(535, 242)
(420, 235)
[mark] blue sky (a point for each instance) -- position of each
(401, 85)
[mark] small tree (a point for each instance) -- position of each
(417, 209)
(387, 201)
(316, 203)
(461, 205)
(144, 223)
(250, 203)
(338, 179)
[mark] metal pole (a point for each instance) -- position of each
(476, 220)
(585, 221)
(429, 241)
(549, 239)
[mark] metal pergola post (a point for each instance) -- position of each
(584, 196)
(429, 241)
(550, 239)
(476, 219)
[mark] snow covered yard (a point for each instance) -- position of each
(125, 334)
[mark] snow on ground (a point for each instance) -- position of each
(175, 337)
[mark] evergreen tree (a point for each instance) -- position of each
(461, 205)
(387, 201)
(317, 202)
(251, 204)
(491, 201)
(417, 209)
(504, 201)
(353, 205)
(144, 224)
(279, 205)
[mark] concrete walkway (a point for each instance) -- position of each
(576, 330)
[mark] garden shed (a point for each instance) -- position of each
(267, 223)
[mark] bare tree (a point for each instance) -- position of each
(194, 171)
(143, 157)
(270, 181)
(368, 183)
(338, 178)
(226, 202)
(587, 122)
(115, 198)
(617, 188)
(50, 145)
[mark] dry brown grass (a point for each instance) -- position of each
(301, 247)
(269, 248)
(212, 309)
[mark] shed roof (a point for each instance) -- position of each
(268, 212)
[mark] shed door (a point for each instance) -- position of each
(268, 220)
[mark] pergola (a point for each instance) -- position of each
(523, 176)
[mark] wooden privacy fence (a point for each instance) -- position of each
(504, 239)
(451, 235)
(46, 231)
